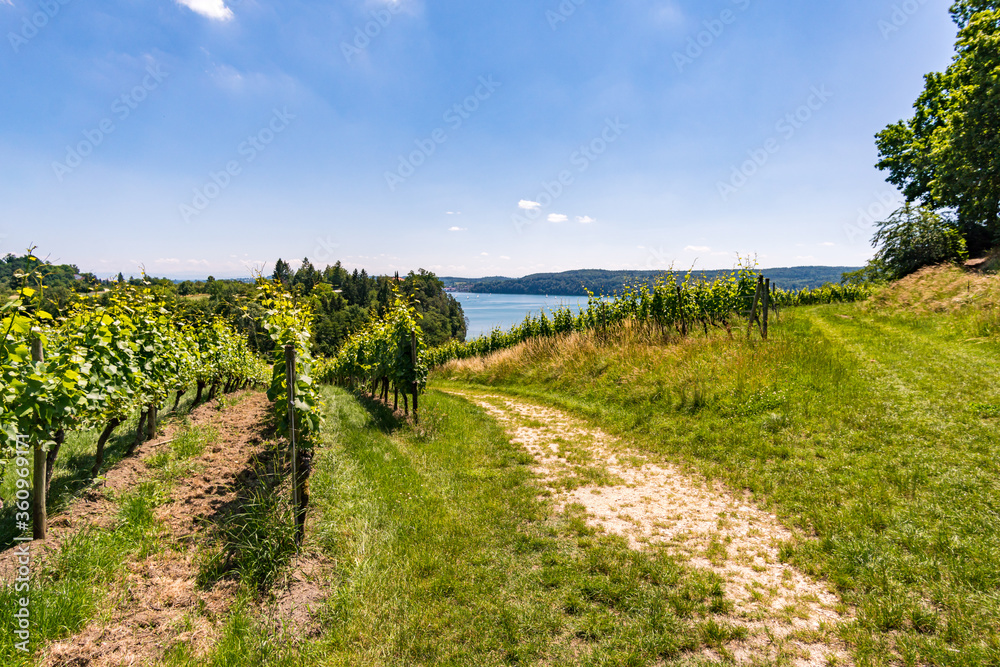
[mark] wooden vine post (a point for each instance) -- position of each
(766, 307)
(298, 492)
(151, 422)
(680, 310)
(39, 515)
(756, 302)
(416, 387)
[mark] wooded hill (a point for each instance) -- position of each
(576, 283)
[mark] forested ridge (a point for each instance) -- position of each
(577, 283)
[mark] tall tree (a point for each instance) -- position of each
(282, 272)
(307, 276)
(948, 154)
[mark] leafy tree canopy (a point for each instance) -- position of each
(945, 156)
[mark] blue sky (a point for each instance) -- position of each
(202, 137)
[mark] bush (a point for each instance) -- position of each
(912, 238)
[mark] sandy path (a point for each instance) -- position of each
(790, 617)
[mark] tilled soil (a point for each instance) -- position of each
(156, 602)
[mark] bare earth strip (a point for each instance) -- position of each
(791, 618)
(156, 601)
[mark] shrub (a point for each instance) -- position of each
(915, 237)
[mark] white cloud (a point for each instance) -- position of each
(198, 262)
(504, 257)
(697, 248)
(167, 260)
(528, 205)
(456, 229)
(557, 217)
(8, 2)
(585, 219)
(485, 254)
(827, 244)
(454, 213)
(213, 9)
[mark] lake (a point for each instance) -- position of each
(486, 311)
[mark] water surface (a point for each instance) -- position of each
(486, 311)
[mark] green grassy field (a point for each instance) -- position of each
(872, 428)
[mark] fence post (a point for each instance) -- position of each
(416, 387)
(39, 513)
(151, 424)
(756, 301)
(680, 309)
(767, 306)
(297, 505)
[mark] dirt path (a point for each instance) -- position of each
(157, 603)
(791, 619)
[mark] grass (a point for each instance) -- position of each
(449, 557)
(72, 586)
(871, 428)
(246, 640)
(444, 554)
(75, 584)
(254, 542)
(175, 460)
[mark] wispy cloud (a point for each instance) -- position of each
(454, 213)
(8, 2)
(697, 248)
(456, 229)
(828, 244)
(557, 217)
(585, 219)
(213, 9)
(528, 205)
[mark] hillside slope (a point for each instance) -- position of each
(871, 427)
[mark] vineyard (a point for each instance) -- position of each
(388, 354)
(124, 354)
(453, 504)
(128, 353)
(663, 308)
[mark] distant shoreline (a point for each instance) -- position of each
(577, 283)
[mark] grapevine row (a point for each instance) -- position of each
(665, 305)
(288, 324)
(387, 354)
(105, 361)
